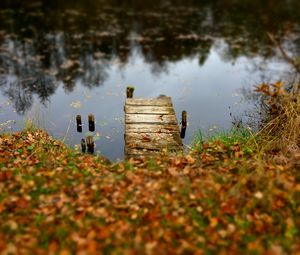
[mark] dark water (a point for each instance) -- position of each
(63, 58)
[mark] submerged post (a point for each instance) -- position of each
(83, 146)
(90, 144)
(91, 120)
(129, 92)
(79, 123)
(183, 124)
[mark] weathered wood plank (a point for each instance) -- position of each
(139, 152)
(163, 101)
(153, 141)
(148, 109)
(154, 136)
(150, 118)
(151, 128)
(153, 146)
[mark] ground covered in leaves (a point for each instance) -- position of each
(218, 201)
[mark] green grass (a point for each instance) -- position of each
(242, 136)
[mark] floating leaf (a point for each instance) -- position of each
(76, 104)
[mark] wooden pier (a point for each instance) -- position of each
(150, 126)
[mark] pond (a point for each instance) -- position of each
(63, 58)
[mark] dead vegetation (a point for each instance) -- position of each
(280, 133)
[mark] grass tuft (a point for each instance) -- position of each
(242, 136)
(281, 128)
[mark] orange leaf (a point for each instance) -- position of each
(214, 222)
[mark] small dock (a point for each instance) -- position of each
(150, 126)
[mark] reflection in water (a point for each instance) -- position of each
(20, 90)
(47, 46)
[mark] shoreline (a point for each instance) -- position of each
(234, 193)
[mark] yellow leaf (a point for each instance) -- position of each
(173, 171)
(190, 159)
(258, 195)
(213, 222)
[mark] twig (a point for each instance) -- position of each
(283, 52)
(296, 84)
(67, 131)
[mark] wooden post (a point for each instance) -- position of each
(184, 119)
(129, 92)
(183, 124)
(79, 123)
(83, 146)
(90, 144)
(91, 120)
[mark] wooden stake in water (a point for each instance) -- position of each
(79, 123)
(91, 120)
(83, 146)
(183, 124)
(129, 92)
(90, 144)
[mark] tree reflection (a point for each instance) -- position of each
(45, 43)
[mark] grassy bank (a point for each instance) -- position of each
(227, 196)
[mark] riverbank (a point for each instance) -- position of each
(240, 197)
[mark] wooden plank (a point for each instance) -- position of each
(151, 128)
(153, 141)
(139, 152)
(154, 136)
(153, 146)
(136, 153)
(145, 109)
(150, 118)
(163, 101)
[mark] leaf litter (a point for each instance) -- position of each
(56, 200)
